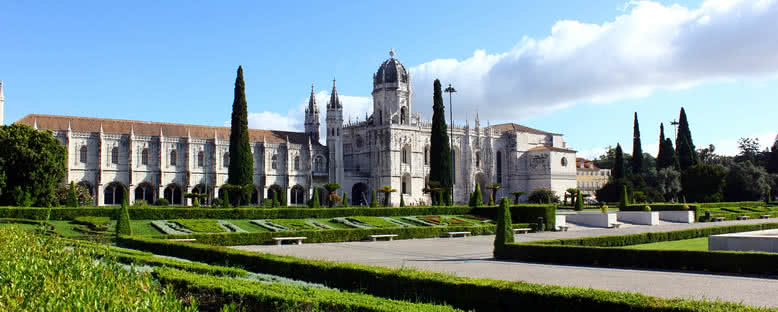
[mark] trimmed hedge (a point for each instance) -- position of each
(526, 213)
(732, 204)
(151, 213)
(257, 296)
(409, 284)
(334, 235)
(603, 251)
(660, 207)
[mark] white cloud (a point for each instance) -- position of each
(274, 121)
(650, 47)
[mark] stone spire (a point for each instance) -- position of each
(312, 101)
(312, 117)
(334, 99)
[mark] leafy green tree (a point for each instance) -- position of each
(687, 155)
(704, 183)
(373, 202)
(32, 165)
(331, 196)
(226, 203)
(73, 196)
(440, 151)
(543, 196)
(637, 149)
(579, 201)
(241, 167)
(668, 182)
(666, 157)
(746, 182)
(618, 165)
(504, 231)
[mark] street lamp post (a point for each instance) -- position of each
(450, 90)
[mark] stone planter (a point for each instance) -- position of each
(639, 217)
(593, 219)
(682, 216)
(766, 241)
(561, 220)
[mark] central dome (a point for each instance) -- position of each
(390, 71)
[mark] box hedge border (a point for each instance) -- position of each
(331, 236)
(258, 296)
(409, 284)
(604, 251)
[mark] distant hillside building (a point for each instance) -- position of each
(390, 147)
(589, 177)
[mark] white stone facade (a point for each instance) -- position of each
(391, 147)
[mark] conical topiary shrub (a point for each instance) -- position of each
(345, 199)
(373, 202)
(479, 200)
(402, 200)
(315, 200)
(579, 202)
(123, 223)
(624, 200)
(504, 227)
(491, 200)
(226, 200)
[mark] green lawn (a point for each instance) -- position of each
(65, 228)
(143, 227)
(246, 225)
(685, 244)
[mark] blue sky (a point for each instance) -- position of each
(580, 67)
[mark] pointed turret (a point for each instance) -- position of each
(312, 117)
(334, 99)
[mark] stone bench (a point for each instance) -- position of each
(764, 217)
(718, 219)
(743, 217)
(563, 228)
(614, 225)
(377, 236)
(522, 230)
(454, 234)
(298, 240)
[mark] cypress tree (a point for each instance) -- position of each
(73, 196)
(772, 161)
(345, 199)
(440, 151)
(479, 200)
(664, 159)
(618, 165)
(241, 162)
(315, 200)
(275, 199)
(471, 203)
(504, 232)
(123, 224)
(226, 200)
(624, 200)
(687, 155)
(579, 202)
(373, 202)
(402, 200)
(637, 149)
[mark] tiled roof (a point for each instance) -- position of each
(149, 128)
(518, 127)
(550, 148)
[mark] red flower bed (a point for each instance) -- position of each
(475, 218)
(432, 219)
(456, 221)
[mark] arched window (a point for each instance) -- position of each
(83, 153)
(200, 159)
(406, 184)
(478, 159)
(113, 194)
(405, 156)
(499, 166)
(426, 155)
(173, 157)
(274, 162)
(297, 163)
(226, 160)
(318, 164)
(564, 162)
(380, 118)
(115, 155)
(403, 117)
(144, 156)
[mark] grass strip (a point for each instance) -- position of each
(201, 225)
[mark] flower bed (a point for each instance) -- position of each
(374, 221)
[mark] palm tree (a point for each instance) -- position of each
(573, 193)
(387, 190)
(332, 198)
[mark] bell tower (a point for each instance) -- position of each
(335, 136)
(392, 93)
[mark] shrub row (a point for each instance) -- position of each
(334, 235)
(523, 213)
(732, 204)
(247, 295)
(234, 213)
(659, 207)
(733, 216)
(601, 251)
(409, 284)
(193, 267)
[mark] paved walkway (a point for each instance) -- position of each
(473, 257)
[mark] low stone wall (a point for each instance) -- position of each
(639, 217)
(766, 241)
(686, 216)
(593, 219)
